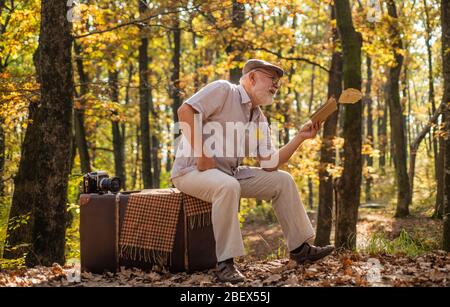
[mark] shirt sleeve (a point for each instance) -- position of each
(210, 99)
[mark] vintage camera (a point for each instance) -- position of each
(100, 182)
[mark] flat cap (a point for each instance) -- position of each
(256, 63)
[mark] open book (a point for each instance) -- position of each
(349, 95)
(324, 111)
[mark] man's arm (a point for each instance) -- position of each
(207, 101)
(273, 162)
(186, 115)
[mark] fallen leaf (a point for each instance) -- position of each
(325, 283)
(359, 281)
(277, 270)
(154, 276)
(198, 278)
(292, 280)
(272, 278)
(57, 269)
(347, 262)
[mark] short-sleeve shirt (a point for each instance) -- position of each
(225, 104)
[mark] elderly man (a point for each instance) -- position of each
(222, 181)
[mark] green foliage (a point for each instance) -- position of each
(165, 179)
(4, 212)
(253, 212)
(12, 224)
(404, 244)
(12, 263)
(73, 210)
(281, 251)
(73, 234)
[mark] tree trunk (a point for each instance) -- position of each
(437, 145)
(369, 139)
(118, 145)
(430, 138)
(196, 64)
(135, 166)
(431, 83)
(168, 155)
(123, 125)
(349, 188)
(288, 106)
(144, 103)
(439, 205)
(311, 100)
(409, 109)
(80, 131)
(41, 182)
(156, 162)
(403, 103)
(396, 118)
(382, 133)
(234, 49)
(445, 23)
(327, 154)
(74, 152)
(310, 193)
(311, 89)
(415, 146)
(175, 92)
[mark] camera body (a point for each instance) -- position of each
(99, 182)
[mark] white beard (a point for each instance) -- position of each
(264, 99)
(267, 101)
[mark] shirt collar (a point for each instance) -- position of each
(244, 96)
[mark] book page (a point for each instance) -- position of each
(324, 111)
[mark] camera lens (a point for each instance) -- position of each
(115, 184)
(110, 184)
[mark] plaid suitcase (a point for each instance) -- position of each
(102, 219)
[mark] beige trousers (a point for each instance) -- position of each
(224, 192)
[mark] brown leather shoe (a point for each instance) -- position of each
(311, 253)
(227, 272)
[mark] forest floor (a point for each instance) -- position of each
(413, 261)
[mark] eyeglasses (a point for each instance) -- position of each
(275, 80)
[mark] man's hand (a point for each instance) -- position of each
(205, 163)
(309, 130)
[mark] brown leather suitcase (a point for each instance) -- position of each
(101, 221)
